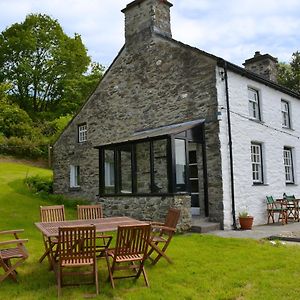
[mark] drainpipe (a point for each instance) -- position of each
(230, 146)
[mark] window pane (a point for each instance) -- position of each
(253, 103)
(109, 171)
(160, 166)
(143, 167)
(285, 113)
(256, 160)
(180, 159)
(288, 165)
(126, 172)
(74, 176)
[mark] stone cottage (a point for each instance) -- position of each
(171, 125)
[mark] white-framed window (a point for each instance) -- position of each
(288, 165)
(253, 101)
(256, 160)
(285, 113)
(74, 176)
(82, 133)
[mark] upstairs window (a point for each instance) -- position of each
(288, 165)
(256, 160)
(285, 113)
(74, 176)
(253, 100)
(82, 133)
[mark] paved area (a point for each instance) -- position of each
(291, 230)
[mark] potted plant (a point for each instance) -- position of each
(245, 220)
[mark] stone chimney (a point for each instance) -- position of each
(264, 65)
(143, 17)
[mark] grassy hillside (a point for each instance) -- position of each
(205, 267)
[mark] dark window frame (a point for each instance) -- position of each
(193, 134)
(258, 103)
(290, 149)
(288, 113)
(262, 180)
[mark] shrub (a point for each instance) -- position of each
(39, 184)
(44, 186)
(23, 147)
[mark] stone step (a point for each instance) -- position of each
(202, 225)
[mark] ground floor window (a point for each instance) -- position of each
(288, 165)
(256, 160)
(74, 176)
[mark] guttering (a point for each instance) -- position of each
(230, 146)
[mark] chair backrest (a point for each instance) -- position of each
(288, 197)
(89, 212)
(270, 200)
(53, 213)
(132, 240)
(172, 217)
(76, 242)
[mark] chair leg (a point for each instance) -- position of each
(59, 279)
(96, 277)
(160, 253)
(110, 271)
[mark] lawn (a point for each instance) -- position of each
(205, 266)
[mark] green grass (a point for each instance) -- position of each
(206, 267)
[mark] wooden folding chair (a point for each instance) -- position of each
(278, 207)
(131, 250)
(53, 213)
(17, 253)
(76, 248)
(292, 205)
(92, 212)
(162, 233)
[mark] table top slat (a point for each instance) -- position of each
(50, 229)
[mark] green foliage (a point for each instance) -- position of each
(39, 183)
(23, 147)
(14, 121)
(38, 58)
(289, 74)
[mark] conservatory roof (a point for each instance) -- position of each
(157, 132)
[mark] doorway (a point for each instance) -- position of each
(196, 181)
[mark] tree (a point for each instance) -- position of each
(289, 74)
(37, 58)
(77, 90)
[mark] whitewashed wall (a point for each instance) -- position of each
(269, 132)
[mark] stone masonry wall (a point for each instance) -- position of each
(153, 83)
(154, 208)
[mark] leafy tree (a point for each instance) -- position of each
(77, 90)
(289, 74)
(38, 59)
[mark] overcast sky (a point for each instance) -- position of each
(231, 29)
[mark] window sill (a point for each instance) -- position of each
(256, 120)
(288, 128)
(74, 188)
(260, 184)
(291, 183)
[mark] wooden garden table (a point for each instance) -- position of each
(50, 229)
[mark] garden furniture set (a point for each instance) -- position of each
(77, 243)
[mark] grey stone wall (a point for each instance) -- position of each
(147, 15)
(154, 208)
(154, 82)
(264, 65)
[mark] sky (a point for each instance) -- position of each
(231, 29)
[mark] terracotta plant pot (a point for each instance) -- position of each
(246, 222)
